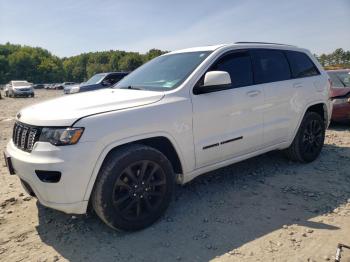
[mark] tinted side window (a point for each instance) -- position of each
(239, 66)
(270, 66)
(301, 64)
(114, 78)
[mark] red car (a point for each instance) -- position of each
(340, 94)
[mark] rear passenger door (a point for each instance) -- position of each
(305, 82)
(272, 74)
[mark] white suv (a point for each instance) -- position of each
(176, 117)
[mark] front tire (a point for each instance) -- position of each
(133, 188)
(309, 140)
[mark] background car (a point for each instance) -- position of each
(61, 86)
(49, 86)
(70, 89)
(340, 94)
(19, 88)
(98, 81)
(38, 86)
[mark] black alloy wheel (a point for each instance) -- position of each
(133, 188)
(312, 138)
(309, 140)
(139, 190)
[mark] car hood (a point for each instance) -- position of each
(65, 110)
(340, 91)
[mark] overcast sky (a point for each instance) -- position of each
(67, 27)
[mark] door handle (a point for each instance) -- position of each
(253, 93)
(297, 85)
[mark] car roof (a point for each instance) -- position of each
(198, 49)
(115, 73)
(237, 45)
(338, 70)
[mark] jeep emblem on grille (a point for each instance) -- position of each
(18, 115)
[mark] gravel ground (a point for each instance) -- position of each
(262, 209)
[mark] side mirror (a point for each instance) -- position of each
(214, 81)
(217, 78)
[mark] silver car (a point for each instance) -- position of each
(19, 88)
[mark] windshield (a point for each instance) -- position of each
(21, 83)
(95, 79)
(164, 72)
(340, 79)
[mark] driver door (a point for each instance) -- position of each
(228, 123)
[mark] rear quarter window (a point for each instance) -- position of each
(301, 65)
(270, 66)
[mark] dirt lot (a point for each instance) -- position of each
(263, 209)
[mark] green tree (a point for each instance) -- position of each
(152, 53)
(40, 66)
(130, 62)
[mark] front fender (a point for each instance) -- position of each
(121, 142)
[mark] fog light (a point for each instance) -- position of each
(48, 176)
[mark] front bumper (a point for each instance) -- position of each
(23, 93)
(75, 164)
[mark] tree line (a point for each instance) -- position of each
(38, 65)
(335, 60)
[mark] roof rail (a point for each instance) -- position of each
(264, 43)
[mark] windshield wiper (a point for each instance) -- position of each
(130, 87)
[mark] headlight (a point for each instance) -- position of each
(61, 136)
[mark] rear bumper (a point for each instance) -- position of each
(73, 162)
(341, 112)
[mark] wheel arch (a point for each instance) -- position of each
(160, 141)
(319, 107)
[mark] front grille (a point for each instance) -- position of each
(24, 136)
(24, 89)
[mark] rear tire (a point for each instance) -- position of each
(309, 140)
(133, 188)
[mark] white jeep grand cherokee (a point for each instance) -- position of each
(176, 117)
